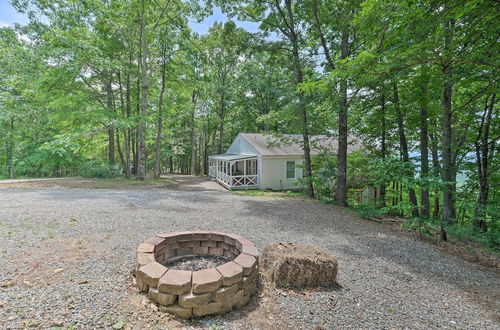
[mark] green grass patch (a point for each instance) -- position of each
(278, 194)
(123, 182)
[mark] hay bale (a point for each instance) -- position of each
(289, 265)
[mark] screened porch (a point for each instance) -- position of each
(234, 171)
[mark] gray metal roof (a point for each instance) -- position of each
(291, 144)
(232, 156)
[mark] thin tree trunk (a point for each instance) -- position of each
(199, 156)
(424, 151)
(341, 191)
(141, 147)
(322, 37)
(9, 149)
(128, 130)
(222, 114)
(383, 147)
(394, 196)
(302, 106)
(482, 159)
(205, 152)
(111, 127)
(436, 169)
(125, 113)
(192, 134)
(160, 115)
(137, 112)
(341, 188)
(118, 147)
(404, 147)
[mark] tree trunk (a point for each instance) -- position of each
(341, 192)
(383, 147)
(141, 136)
(302, 106)
(125, 106)
(160, 115)
(448, 213)
(322, 37)
(111, 127)
(9, 149)
(424, 151)
(436, 170)
(192, 135)
(482, 159)
(404, 147)
(118, 147)
(134, 132)
(222, 114)
(205, 152)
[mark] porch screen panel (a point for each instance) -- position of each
(252, 167)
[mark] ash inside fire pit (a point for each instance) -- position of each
(194, 263)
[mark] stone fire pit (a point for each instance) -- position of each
(203, 292)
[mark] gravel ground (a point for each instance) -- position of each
(66, 256)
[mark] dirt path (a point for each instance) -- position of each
(67, 253)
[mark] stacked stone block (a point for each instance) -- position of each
(197, 293)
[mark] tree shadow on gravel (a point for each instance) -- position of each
(140, 198)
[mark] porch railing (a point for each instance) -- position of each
(238, 181)
(224, 178)
(212, 170)
(244, 180)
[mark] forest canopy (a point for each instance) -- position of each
(127, 88)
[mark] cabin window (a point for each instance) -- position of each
(290, 170)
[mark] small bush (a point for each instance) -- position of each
(423, 227)
(95, 169)
(490, 239)
(367, 210)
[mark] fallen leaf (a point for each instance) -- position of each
(2, 304)
(58, 270)
(6, 284)
(83, 281)
(118, 325)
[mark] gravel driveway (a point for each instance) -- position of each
(66, 256)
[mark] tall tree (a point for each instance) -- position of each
(424, 147)
(484, 148)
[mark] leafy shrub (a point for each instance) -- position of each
(367, 210)
(423, 226)
(96, 169)
(490, 239)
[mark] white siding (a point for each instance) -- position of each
(241, 146)
(273, 175)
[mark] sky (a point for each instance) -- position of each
(9, 16)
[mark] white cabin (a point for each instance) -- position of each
(260, 161)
